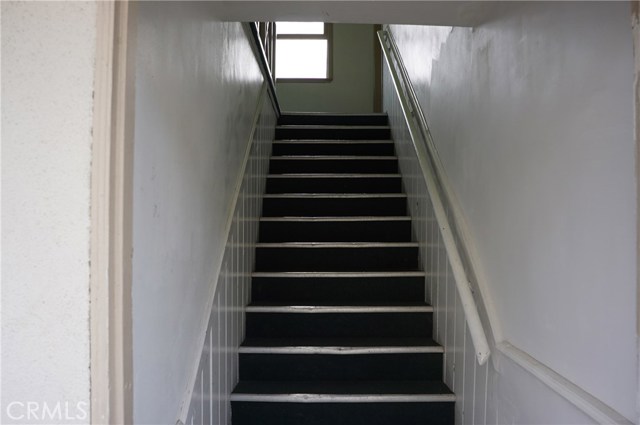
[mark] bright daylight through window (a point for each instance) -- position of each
(303, 51)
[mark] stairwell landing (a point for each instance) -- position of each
(337, 331)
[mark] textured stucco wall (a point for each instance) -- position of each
(351, 89)
(48, 54)
(532, 115)
(197, 87)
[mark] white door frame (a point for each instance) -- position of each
(111, 215)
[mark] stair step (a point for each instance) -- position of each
(334, 147)
(347, 288)
(342, 403)
(333, 164)
(334, 132)
(275, 307)
(339, 346)
(351, 323)
(344, 256)
(321, 204)
(340, 392)
(340, 359)
(303, 366)
(320, 118)
(335, 229)
(334, 183)
(338, 331)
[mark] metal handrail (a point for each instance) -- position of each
(427, 158)
(264, 64)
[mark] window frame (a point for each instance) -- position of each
(327, 35)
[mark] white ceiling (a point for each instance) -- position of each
(450, 13)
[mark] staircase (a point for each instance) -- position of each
(337, 331)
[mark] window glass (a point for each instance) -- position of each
(301, 59)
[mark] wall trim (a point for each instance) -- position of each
(111, 215)
(592, 406)
(204, 322)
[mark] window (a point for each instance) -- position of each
(303, 51)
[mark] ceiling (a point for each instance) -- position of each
(450, 13)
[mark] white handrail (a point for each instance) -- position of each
(419, 130)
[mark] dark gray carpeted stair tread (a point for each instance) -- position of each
(336, 256)
(331, 147)
(339, 288)
(333, 164)
(356, 132)
(333, 183)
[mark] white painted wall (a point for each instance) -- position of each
(532, 116)
(48, 54)
(217, 372)
(352, 87)
(197, 86)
